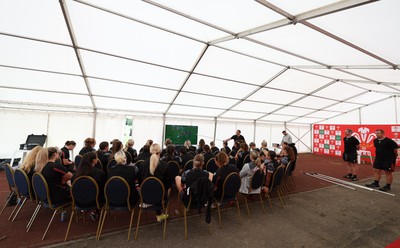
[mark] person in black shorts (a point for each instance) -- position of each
(351, 145)
(385, 159)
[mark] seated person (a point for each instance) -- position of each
(154, 166)
(200, 147)
(129, 148)
(89, 146)
(286, 155)
(241, 155)
(264, 145)
(252, 146)
(270, 166)
(188, 146)
(248, 171)
(170, 155)
(145, 153)
(185, 156)
(57, 176)
(87, 168)
(225, 148)
(207, 154)
(224, 169)
(104, 154)
(129, 173)
(214, 149)
(164, 151)
(65, 156)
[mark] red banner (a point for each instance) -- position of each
(328, 138)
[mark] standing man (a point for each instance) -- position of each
(385, 159)
(286, 138)
(351, 145)
(236, 137)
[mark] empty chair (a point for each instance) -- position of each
(118, 198)
(24, 191)
(211, 166)
(11, 185)
(43, 198)
(153, 197)
(230, 189)
(277, 179)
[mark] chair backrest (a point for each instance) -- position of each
(288, 169)
(22, 184)
(171, 172)
(128, 157)
(216, 152)
(111, 164)
(10, 176)
(99, 164)
(232, 153)
(232, 160)
(211, 166)
(117, 192)
(188, 165)
(246, 159)
(41, 188)
(231, 185)
(277, 177)
(85, 192)
(77, 160)
(191, 153)
(152, 191)
(257, 180)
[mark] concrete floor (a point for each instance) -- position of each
(327, 217)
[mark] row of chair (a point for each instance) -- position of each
(85, 196)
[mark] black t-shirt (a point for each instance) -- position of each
(53, 173)
(133, 153)
(350, 144)
(235, 137)
(190, 176)
(85, 150)
(220, 176)
(159, 172)
(385, 149)
(129, 174)
(207, 157)
(65, 153)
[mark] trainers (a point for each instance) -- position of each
(372, 185)
(63, 216)
(93, 216)
(348, 176)
(385, 188)
(354, 178)
(162, 217)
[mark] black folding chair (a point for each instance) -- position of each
(276, 183)
(230, 189)
(118, 198)
(171, 172)
(85, 197)
(77, 160)
(152, 197)
(24, 191)
(128, 157)
(257, 180)
(111, 164)
(187, 166)
(43, 198)
(211, 166)
(11, 185)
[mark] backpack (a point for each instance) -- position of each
(202, 191)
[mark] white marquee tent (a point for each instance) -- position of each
(76, 69)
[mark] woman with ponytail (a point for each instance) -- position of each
(248, 171)
(154, 166)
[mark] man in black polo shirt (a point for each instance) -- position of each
(351, 145)
(385, 159)
(236, 137)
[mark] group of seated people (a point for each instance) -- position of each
(59, 171)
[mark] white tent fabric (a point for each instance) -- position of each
(264, 61)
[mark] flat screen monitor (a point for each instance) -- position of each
(178, 134)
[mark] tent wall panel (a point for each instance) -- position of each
(16, 126)
(382, 112)
(144, 128)
(109, 127)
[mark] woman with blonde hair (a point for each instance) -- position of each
(28, 166)
(129, 148)
(248, 171)
(154, 166)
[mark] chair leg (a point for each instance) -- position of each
(99, 224)
(30, 223)
(102, 223)
(219, 215)
(69, 224)
(165, 228)
(48, 226)
(247, 205)
(138, 223)
(130, 224)
(269, 201)
(280, 198)
(238, 209)
(8, 200)
(185, 222)
(19, 209)
(262, 203)
(15, 208)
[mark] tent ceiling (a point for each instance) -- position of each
(281, 61)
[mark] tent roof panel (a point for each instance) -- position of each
(256, 106)
(378, 37)
(369, 98)
(300, 6)
(36, 19)
(339, 91)
(280, 118)
(129, 105)
(222, 63)
(332, 73)
(296, 111)
(274, 96)
(251, 13)
(204, 101)
(241, 115)
(379, 75)
(145, 12)
(186, 110)
(313, 102)
(344, 107)
(131, 39)
(37, 55)
(314, 45)
(109, 67)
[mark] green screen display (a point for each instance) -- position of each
(179, 134)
